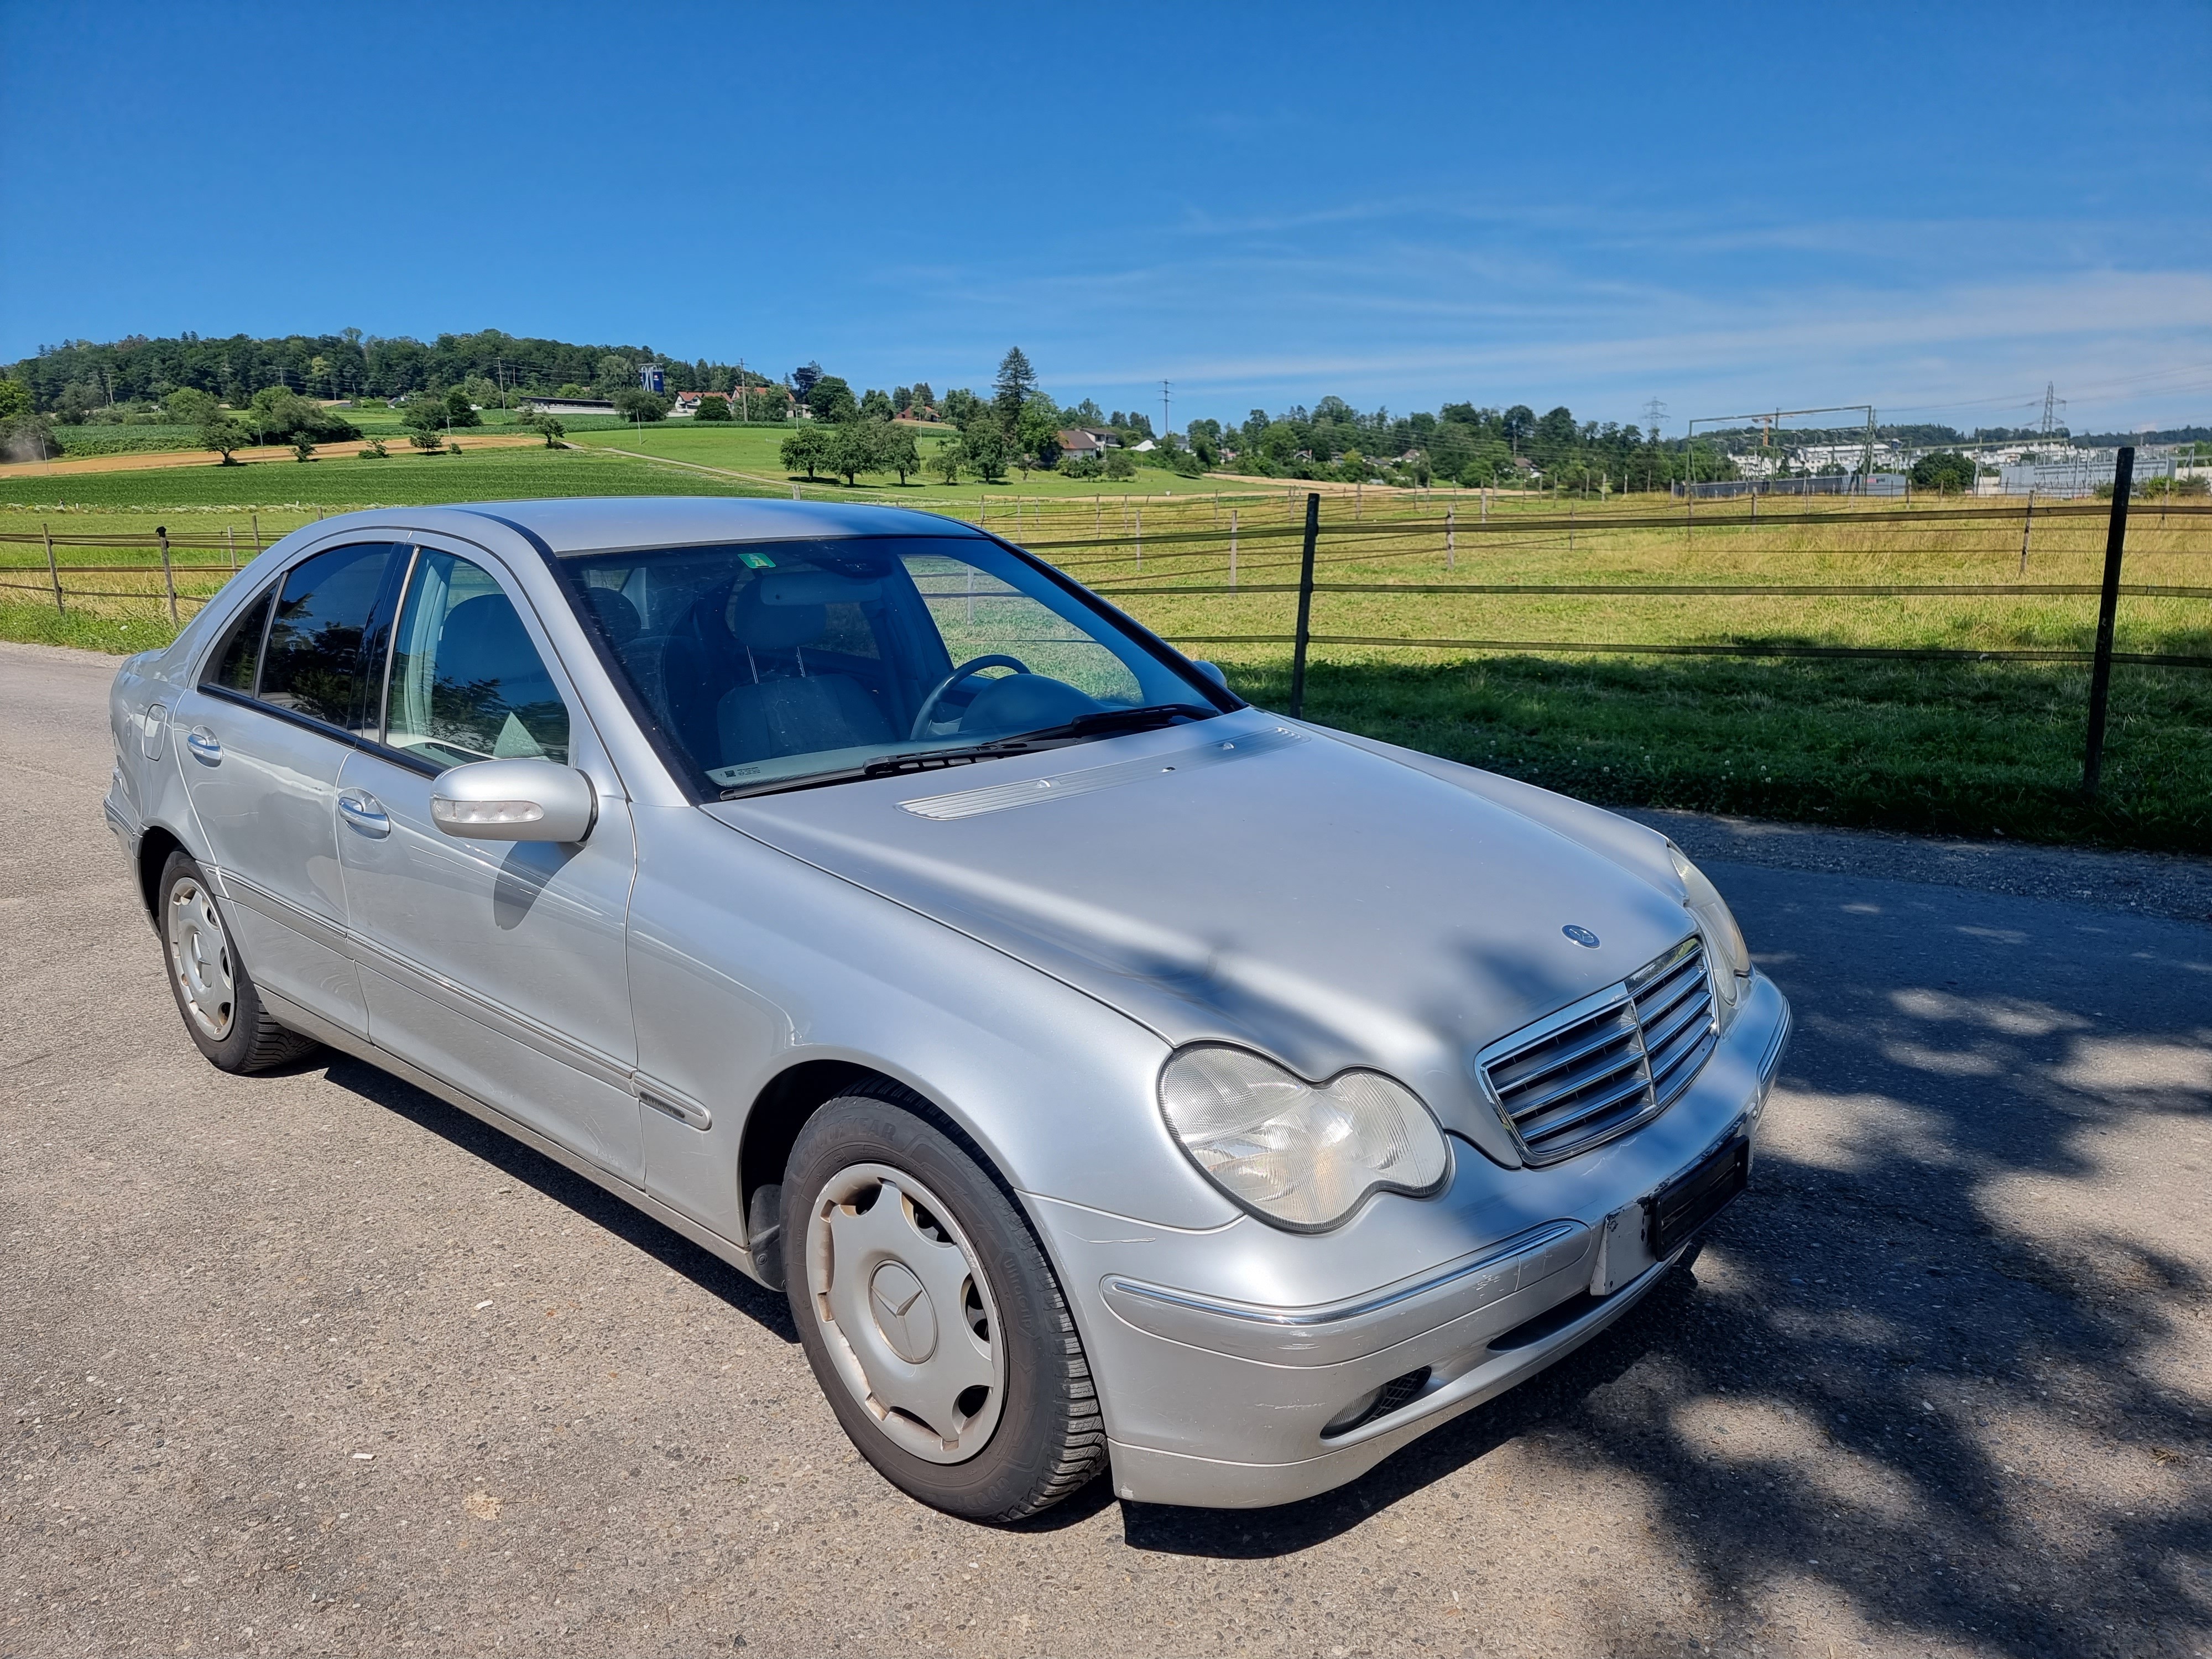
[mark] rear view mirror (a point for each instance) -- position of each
(514, 800)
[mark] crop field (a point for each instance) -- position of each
(1976, 742)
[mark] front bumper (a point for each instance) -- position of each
(1225, 1387)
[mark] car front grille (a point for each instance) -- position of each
(1601, 1067)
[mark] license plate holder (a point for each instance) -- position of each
(1673, 1214)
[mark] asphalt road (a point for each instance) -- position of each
(311, 1363)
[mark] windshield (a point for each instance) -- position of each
(764, 663)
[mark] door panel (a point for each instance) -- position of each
(263, 740)
(500, 966)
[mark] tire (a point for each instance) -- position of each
(953, 1366)
(215, 996)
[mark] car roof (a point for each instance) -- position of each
(587, 523)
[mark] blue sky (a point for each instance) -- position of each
(1935, 208)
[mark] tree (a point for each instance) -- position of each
(634, 403)
(303, 447)
(187, 405)
(713, 407)
(1015, 384)
(923, 401)
(807, 447)
(553, 429)
(803, 379)
(424, 418)
(832, 400)
(460, 408)
(984, 449)
(875, 405)
(1037, 434)
(850, 448)
(960, 406)
(224, 435)
(614, 373)
(1121, 466)
(1946, 472)
(896, 451)
(946, 461)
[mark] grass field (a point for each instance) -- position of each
(1975, 747)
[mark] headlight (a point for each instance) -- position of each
(1725, 951)
(1300, 1155)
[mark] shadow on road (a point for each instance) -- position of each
(589, 1200)
(1936, 1373)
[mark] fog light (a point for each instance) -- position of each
(1377, 1402)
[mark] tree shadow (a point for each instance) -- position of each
(1961, 1412)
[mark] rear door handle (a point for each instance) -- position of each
(365, 813)
(206, 747)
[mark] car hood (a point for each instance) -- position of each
(1330, 902)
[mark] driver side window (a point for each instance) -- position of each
(467, 683)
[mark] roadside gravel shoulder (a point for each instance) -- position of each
(2173, 885)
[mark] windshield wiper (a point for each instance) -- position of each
(884, 766)
(1105, 720)
(1098, 723)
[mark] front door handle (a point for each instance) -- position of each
(365, 813)
(206, 747)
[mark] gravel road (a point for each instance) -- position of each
(311, 1363)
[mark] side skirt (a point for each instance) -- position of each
(289, 1013)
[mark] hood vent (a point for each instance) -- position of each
(1059, 786)
(1600, 1067)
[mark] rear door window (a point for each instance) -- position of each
(321, 659)
(232, 663)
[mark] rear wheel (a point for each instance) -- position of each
(930, 1317)
(222, 1009)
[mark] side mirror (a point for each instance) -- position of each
(1213, 672)
(514, 800)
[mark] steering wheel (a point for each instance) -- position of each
(973, 665)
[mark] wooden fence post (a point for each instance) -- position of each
(2026, 529)
(230, 541)
(168, 571)
(1451, 536)
(1305, 608)
(1140, 541)
(1232, 548)
(2101, 676)
(254, 519)
(53, 572)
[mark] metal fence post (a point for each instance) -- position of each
(169, 572)
(2101, 676)
(1305, 607)
(53, 572)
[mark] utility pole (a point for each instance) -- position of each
(1166, 426)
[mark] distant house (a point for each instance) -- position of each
(1145, 447)
(570, 405)
(686, 402)
(1079, 443)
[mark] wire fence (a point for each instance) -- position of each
(1469, 574)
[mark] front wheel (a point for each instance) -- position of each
(217, 996)
(931, 1318)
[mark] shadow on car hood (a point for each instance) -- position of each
(1246, 879)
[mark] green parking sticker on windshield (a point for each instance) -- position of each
(758, 561)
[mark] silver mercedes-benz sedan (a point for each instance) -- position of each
(1113, 1075)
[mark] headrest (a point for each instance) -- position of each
(778, 610)
(616, 614)
(484, 640)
